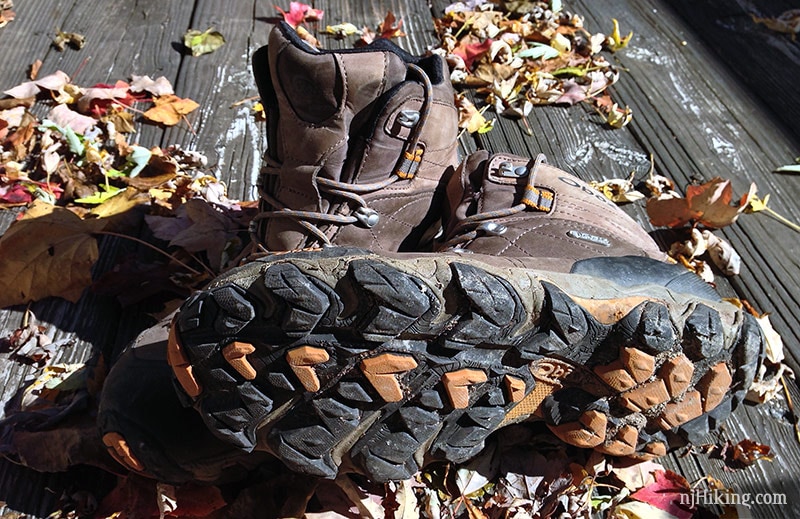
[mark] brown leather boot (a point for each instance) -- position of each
(506, 205)
(358, 141)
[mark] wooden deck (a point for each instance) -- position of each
(713, 94)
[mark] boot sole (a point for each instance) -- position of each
(346, 358)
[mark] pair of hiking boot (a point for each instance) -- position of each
(391, 344)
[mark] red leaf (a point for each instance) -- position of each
(666, 493)
(470, 48)
(299, 13)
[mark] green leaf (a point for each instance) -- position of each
(789, 168)
(74, 141)
(203, 42)
(570, 71)
(101, 196)
(539, 50)
(139, 157)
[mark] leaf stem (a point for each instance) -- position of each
(782, 219)
(142, 242)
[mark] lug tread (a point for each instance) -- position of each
(362, 365)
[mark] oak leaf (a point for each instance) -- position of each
(49, 252)
(708, 204)
(170, 109)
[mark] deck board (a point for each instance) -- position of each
(713, 95)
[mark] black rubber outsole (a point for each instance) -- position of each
(342, 358)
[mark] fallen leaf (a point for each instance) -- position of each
(618, 190)
(121, 202)
(470, 48)
(65, 117)
(787, 22)
(49, 252)
(73, 39)
(707, 204)
(736, 456)
(666, 494)
(200, 43)
(170, 109)
(106, 193)
(789, 168)
(637, 475)
(615, 41)
(341, 30)
(33, 72)
(160, 86)
(299, 13)
(391, 27)
(723, 255)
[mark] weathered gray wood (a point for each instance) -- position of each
(717, 105)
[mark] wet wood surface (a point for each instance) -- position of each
(713, 94)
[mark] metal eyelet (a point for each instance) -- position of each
(492, 228)
(521, 171)
(367, 217)
(506, 169)
(408, 118)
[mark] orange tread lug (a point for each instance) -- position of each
(677, 413)
(623, 444)
(181, 366)
(381, 371)
(120, 451)
(236, 355)
(639, 364)
(677, 374)
(588, 432)
(456, 384)
(714, 386)
(616, 376)
(515, 388)
(302, 361)
(645, 396)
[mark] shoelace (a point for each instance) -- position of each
(361, 214)
(481, 223)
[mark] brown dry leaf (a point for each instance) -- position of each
(708, 204)
(391, 27)
(170, 109)
(49, 252)
(737, 456)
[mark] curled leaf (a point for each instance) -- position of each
(200, 43)
(615, 41)
(708, 204)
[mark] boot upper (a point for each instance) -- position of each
(508, 205)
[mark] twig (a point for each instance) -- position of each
(782, 219)
(142, 242)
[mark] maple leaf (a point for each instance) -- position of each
(49, 252)
(391, 27)
(299, 13)
(707, 204)
(170, 109)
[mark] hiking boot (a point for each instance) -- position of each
(148, 431)
(508, 205)
(347, 360)
(358, 141)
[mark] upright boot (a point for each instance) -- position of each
(347, 360)
(358, 141)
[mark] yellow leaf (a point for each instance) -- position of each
(616, 42)
(121, 203)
